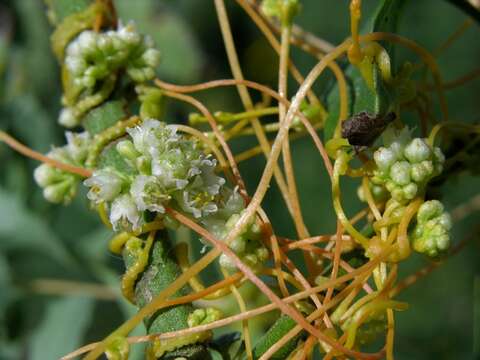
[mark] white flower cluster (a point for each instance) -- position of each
(171, 169)
(93, 56)
(431, 233)
(60, 186)
(168, 167)
(406, 165)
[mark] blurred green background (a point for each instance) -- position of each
(41, 241)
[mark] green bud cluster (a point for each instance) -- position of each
(406, 165)
(60, 186)
(431, 233)
(93, 56)
(171, 169)
(247, 245)
(203, 316)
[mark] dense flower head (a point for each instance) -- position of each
(172, 170)
(60, 186)
(405, 166)
(431, 233)
(92, 56)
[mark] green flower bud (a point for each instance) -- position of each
(431, 234)
(384, 158)
(400, 173)
(61, 192)
(417, 150)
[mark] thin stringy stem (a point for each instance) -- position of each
(26, 151)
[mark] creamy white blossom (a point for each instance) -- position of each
(124, 214)
(148, 193)
(104, 185)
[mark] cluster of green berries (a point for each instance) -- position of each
(93, 57)
(60, 186)
(405, 167)
(431, 233)
(168, 168)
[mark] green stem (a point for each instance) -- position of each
(227, 118)
(161, 271)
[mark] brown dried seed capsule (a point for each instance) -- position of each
(362, 129)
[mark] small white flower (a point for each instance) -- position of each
(151, 57)
(87, 41)
(143, 136)
(77, 145)
(128, 34)
(384, 158)
(124, 213)
(148, 193)
(45, 175)
(417, 150)
(400, 172)
(104, 185)
(67, 118)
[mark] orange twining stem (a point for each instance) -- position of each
(24, 150)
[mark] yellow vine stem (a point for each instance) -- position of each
(390, 334)
(342, 85)
(340, 166)
(102, 213)
(453, 124)
(355, 55)
(104, 138)
(26, 151)
(263, 27)
(181, 253)
(245, 326)
(319, 312)
(117, 243)
(300, 226)
(286, 309)
(172, 288)
(269, 234)
(464, 26)
(287, 276)
(244, 220)
(287, 157)
(264, 89)
(403, 243)
(336, 261)
(131, 275)
(245, 96)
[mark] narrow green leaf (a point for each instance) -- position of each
(62, 329)
(21, 228)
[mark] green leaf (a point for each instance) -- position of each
(22, 229)
(280, 328)
(361, 96)
(104, 116)
(62, 328)
(60, 9)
